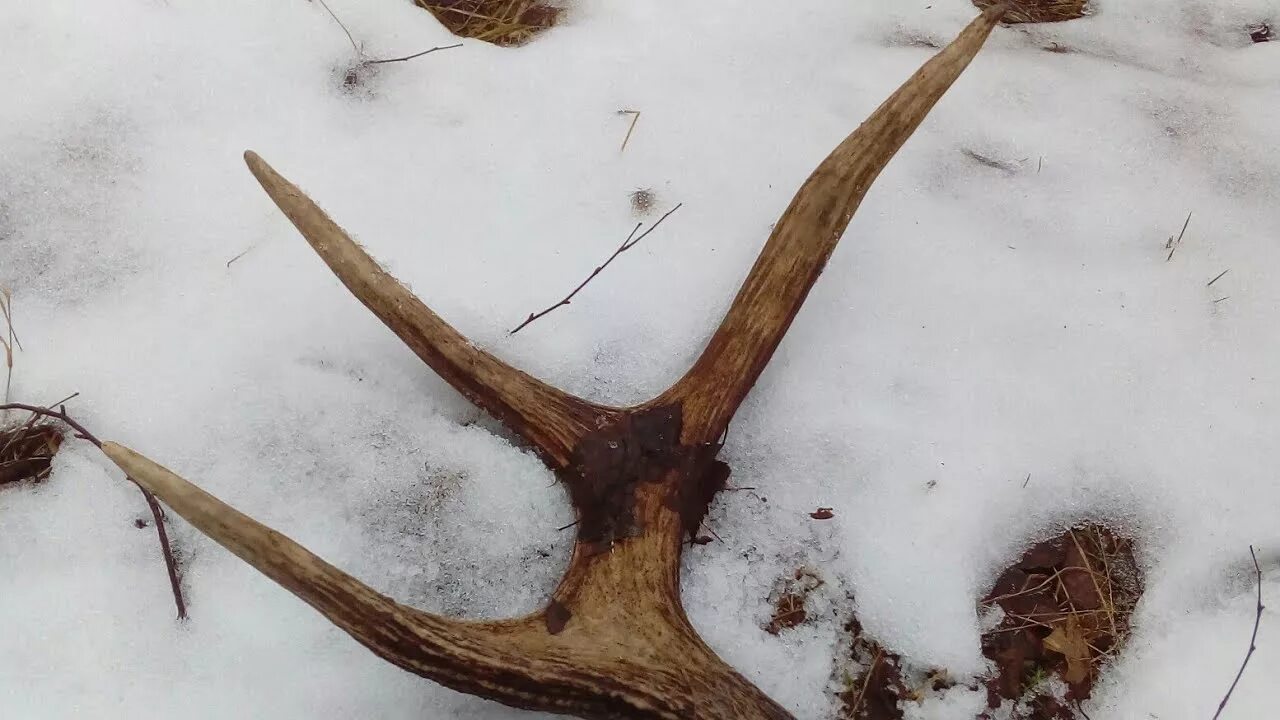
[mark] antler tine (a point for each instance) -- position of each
(522, 662)
(550, 419)
(353, 606)
(804, 238)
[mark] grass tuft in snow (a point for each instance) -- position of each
(501, 22)
(10, 340)
(26, 451)
(1061, 612)
(1039, 11)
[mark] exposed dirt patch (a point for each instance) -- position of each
(27, 451)
(1039, 11)
(1060, 613)
(788, 600)
(643, 201)
(881, 684)
(875, 689)
(501, 22)
(1261, 32)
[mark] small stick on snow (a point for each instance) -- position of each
(166, 548)
(1218, 277)
(625, 246)
(415, 55)
(237, 257)
(635, 117)
(1253, 640)
(1173, 243)
(334, 15)
(360, 51)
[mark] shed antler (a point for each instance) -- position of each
(614, 641)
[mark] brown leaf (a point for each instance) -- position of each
(1068, 640)
(822, 514)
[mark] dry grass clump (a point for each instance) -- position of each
(8, 341)
(788, 600)
(501, 22)
(26, 452)
(1039, 11)
(1064, 609)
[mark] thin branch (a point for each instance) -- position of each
(1218, 277)
(1253, 640)
(157, 514)
(410, 57)
(635, 117)
(365, 61)
(1172, 245)
(237, 257)
(625, 246)
(344, 28)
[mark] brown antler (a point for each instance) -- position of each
(614, 641)
(552, 420)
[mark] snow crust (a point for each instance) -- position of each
(1000, 345)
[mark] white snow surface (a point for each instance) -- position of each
(980, 323)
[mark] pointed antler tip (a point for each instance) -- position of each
(256, 164)
(998, 10)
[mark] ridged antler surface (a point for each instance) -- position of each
(614, 641)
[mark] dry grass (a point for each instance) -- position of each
(788, 600)
(1066, 607)
(1040, 11)
(26, 452)
(501, 22)
(10, 340)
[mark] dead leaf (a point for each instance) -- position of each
(1068, 640)
(822, 514)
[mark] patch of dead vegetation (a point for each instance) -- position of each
(873, 691)
(1039, 11)
(26, 452)
(1062, 612)
(643, 200)
(505, 23)
(878, 684)
(788, 600)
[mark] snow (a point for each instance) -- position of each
(980, 323)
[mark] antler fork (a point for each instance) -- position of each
(614, 641)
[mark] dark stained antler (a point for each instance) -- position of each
(614, 641)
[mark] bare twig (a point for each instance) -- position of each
(364, 61)
(1218, 277)
(1173, 243)
(1253, 640)
(635, 117)
(626, 245)
(334, 15)
(415, 55)
(237, 257)
(157, 513)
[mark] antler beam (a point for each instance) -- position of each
(614, 641)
